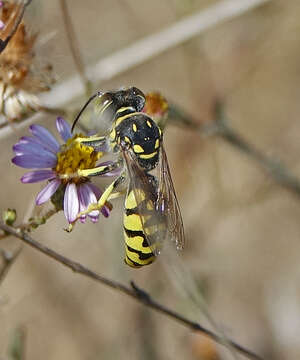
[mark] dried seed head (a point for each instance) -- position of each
(20, 79)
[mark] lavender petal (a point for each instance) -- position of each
(35, 140)
(47, 192)
(94, 219)
(105, 210)
(63, 128)
(23, 148)
(34, 161)
(82, 218)
(71, 202)
(45, 136)
(95, 190)
(37, 176)
(81, 208)
(87, 197)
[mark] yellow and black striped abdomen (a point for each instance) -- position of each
(137, 250)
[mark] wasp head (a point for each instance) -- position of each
(125, 97)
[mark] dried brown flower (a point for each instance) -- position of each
(157, 107)
(20, 79)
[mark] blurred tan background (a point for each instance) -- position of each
(243, 229)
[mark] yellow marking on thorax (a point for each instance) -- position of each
(134, 127)
(124, 108)
(156, 144)
(149, 124)
(138, 149)
(121, 118)
(148, 156)
(127, 140)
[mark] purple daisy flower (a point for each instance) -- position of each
(58, 165)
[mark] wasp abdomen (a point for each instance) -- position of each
(137, 250)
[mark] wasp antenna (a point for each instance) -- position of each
(99, 93)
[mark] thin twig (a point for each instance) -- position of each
(221, 128)
(280, 173)
(18, 345)
(9, 259)
(134, 291)
(74, 47)
(36, 221)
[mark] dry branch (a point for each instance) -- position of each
(221, 128)
(74, 46)
(9, 259)
(133, 291)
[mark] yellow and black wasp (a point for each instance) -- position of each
(152, 212)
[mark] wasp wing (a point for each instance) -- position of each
(167, 202)
(155, 202)
(143, 188)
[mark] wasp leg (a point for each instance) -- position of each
(93, 141)
(100, 170)
(116, 194)
(104, 197)
(101, 202)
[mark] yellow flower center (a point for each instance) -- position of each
(74, 156)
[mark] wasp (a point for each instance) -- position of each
(151, 213)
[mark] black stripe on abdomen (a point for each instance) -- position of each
(133, 233)
(142, 256)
